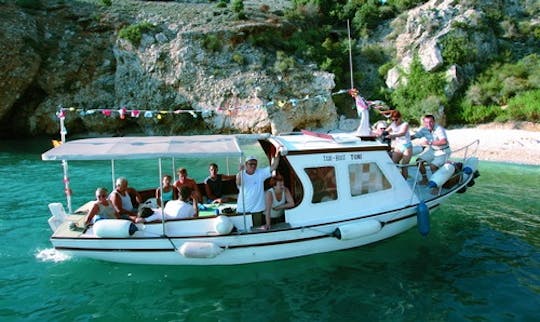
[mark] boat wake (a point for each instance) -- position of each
(52, 255)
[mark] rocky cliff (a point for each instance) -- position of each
(197, 58)
(68, 54)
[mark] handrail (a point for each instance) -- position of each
(466, 148)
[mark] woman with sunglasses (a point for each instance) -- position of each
(102, 208)
(399, 133)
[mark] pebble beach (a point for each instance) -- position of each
(501, 142)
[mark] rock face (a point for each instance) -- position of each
(67, 55)
(20, 60)
(426, 27)
(199, 58)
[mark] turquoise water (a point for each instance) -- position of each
(481, 261)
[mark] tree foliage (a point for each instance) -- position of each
(422, 94)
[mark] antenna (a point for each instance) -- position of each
(350, 53)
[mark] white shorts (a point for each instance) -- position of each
(435, 157)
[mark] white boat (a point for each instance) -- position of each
(363, 199)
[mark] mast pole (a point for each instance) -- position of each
(350, 54)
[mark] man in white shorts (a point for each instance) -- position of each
(436, 147)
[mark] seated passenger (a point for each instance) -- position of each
(278, 198)
(102, 208)
(378, 128)
(184, 180)
(121, 199)
(176, 209)
(213, 185)
(169, 191)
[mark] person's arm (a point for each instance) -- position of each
(133, 191)
(117, 204)
(209, 192)
(195, 207)
(275, 161)
(417, 135)
(91, 214)
(403, 131)
(440, 134)
(196, 191)
(226, 177)
(442, 141)
(268, 209)
(289, 200)
(158, 197)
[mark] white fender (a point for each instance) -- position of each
(471, 164)
(442, 175)
(357, 230)
(223, 225)
(200, 250)
(113, 228)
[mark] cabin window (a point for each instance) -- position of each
(366, 178)
(323, 180)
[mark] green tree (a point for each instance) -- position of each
(423, 93)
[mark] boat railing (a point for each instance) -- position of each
(416, 178)
(460, 154)
(466, 151)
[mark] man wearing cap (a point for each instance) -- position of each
(250, 182)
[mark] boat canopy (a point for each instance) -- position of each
(147, 147)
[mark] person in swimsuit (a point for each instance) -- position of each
(169, 191)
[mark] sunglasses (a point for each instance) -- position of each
(102, 196)
(251, 163)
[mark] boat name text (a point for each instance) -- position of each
(341, 157)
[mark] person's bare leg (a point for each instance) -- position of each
(405, 162)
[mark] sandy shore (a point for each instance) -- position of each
(501, 142)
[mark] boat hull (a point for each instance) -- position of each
(235, 249)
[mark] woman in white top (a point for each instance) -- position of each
(278, 198)
(102, 208)
(399, 133)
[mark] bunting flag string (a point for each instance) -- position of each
(124, 112)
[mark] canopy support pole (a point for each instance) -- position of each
(161, 204)
(113, 183)
(63, 133)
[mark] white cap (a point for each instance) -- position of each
(251, 157)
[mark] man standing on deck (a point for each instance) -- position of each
(250, 182)
(436, 147)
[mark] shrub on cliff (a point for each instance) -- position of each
(134, 33)
(525, 107)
